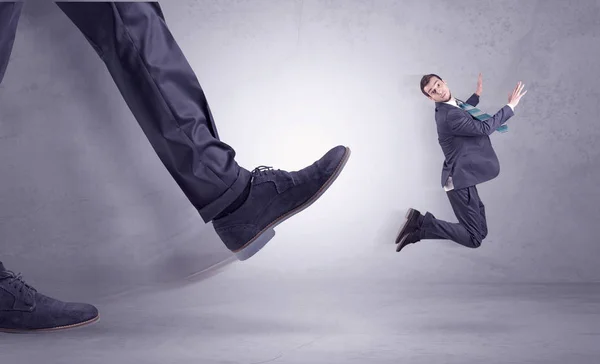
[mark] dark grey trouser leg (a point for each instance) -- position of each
(484, 229)
(471, 228)
(164, 94)
(9, 19)
(10, 13)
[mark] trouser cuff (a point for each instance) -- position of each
(214, 208)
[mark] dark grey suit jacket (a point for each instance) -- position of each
(469, 156)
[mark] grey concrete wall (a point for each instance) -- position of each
(87, 209)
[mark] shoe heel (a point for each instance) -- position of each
(253, 248)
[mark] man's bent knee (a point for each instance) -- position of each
(475, 242)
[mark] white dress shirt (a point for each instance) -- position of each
(449, 186)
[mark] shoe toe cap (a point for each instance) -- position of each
(81, 312)
(52, 313)
(331, 160)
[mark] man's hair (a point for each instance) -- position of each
(425, 80)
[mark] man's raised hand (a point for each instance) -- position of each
(515, 96)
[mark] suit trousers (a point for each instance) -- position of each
(471, 228)
(160, 88)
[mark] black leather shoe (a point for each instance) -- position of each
(275, 196)
(412, 222)
(23, 309)
(406, 239)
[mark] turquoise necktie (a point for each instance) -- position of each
(479, 115)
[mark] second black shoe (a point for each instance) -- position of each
(23, 309)
(413, 221)
(407, 239)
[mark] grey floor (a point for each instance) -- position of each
(88, 212)
(239, 316)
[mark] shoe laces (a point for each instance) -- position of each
(17, 282)
(262, 170)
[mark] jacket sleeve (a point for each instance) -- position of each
(465, 125)
(473, 100)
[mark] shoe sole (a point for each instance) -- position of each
(59, 328)
(404, 225)
(266, 234)
(401, 245)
